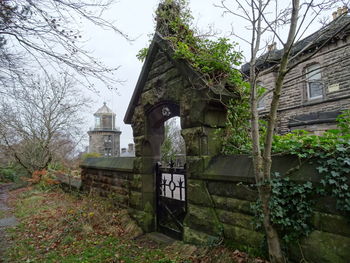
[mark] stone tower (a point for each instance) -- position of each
(104, 138)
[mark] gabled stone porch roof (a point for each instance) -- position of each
(185, 69)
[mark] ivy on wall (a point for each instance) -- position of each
(292, 202)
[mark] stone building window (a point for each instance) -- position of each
(107, 152)
(314, 87)
(97, 122)
(108, 138)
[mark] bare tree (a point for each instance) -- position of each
(48, 34)
(264, 20)
(39, 120)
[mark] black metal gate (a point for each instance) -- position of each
(171, 199)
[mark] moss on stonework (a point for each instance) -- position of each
(199, 238)
(149, 98)
(331, 223)
(135, 199)
(192, 138)
(195, 166)
(232, 204)
(203, 219)
(136, 182)
(323, 247)
(198, 194)
(236, 219)
(145, 219)
(242, 235)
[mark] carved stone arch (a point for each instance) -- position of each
(156, 117)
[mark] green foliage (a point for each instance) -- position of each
(291, 203)
(214, 59)
(142, 54)
(236, 137)
(11, 173)
(60, 227)
(7, 174)
(343, 121)
(331, 152)
(291, 207)
(56, 166)
(90, 155)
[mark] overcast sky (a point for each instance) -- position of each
(136, 18)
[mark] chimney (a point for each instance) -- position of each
(272, 46)
(130, 147)
(345, 10)
(335, 15)
(123, 150)
(339, 11)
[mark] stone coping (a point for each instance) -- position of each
(69, 180)
(239, 168)
(124, 164)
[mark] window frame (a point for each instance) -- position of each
(97, 122)
(309, 79)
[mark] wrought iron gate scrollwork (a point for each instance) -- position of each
(171, 199)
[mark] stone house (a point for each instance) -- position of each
(316, 90)
(104, 138)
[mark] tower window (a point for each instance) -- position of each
(108, 138)
(107, 152)
(97, 122)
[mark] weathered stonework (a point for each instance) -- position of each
(104, 138)
(110, 177)
(167, 88)
(219, 188)
(296, 110)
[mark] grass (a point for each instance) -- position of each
(59, 227)
(3, 214)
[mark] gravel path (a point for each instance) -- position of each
(6, 219)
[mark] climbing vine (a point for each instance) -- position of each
(216, 60)
(291, 206)
(292, 202)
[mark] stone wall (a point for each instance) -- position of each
(220, 193)
(110, 177)
(219, 202)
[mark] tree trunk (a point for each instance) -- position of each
(261, 178)
(273, 241)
